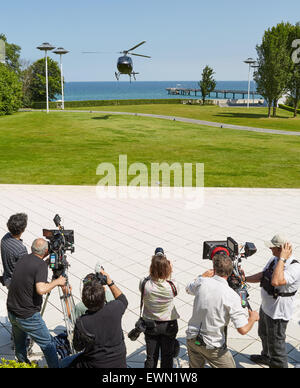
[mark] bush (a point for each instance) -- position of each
(11, 364)
(10, 91)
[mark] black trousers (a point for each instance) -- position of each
(273, 336)
(161, 340)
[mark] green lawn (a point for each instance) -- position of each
(66, 148)
(253, 117)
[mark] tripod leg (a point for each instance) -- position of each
(45, 304)
(68, 308)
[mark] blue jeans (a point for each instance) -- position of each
(66, 362)
(36, 328)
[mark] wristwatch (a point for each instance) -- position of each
(284, 260)
(111, 284)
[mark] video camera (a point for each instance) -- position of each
(237, 253)
(60, 241)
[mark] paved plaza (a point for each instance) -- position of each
(123, 233)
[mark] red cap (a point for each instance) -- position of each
(219, 249)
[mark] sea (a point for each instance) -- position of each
(121, 90)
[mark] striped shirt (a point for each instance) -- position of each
(12, 250)
(159, 301)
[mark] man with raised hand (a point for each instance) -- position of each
(279, 281)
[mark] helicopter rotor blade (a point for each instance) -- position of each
(138, 45)
(140, 55)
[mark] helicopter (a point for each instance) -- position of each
(125, 63)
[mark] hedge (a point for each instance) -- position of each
(289, 108)
(90, 103)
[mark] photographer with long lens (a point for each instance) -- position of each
(215, 304)
(28, 285)
(279, 281)
(159, 313)
(98, 334)
(12, 247)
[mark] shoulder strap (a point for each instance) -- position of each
(174, 289)
(142, 293)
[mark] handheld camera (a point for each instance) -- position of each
(237, 253)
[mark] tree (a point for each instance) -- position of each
(26, 77)
(36, 78)
(274, 65)
(12, 55)
(207, 84)
(10, 91)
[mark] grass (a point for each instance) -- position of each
(66, 148)
(252, 117)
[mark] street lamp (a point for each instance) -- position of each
(46, 47)
(249, 61)
(2, 51)
(61, 51)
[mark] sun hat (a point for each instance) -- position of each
(277, 241)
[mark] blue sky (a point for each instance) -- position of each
(182, 36)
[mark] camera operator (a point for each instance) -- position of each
(80, 308)
(159, 313)
(98, 334)
(28, 284)
(215, 305)
(280, 281)
(12, 247)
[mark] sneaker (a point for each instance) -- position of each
(260, 359)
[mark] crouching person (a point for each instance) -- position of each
(98, 334)
(215, 305)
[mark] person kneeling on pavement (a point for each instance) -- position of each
(215, 305)
(98, 334)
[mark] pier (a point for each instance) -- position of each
(223, 94)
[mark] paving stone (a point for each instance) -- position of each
(123, 233)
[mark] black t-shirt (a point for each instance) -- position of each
(108, 350)
(23, 301)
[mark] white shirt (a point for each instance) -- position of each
(282, 307)
(159, 300)
(215, 305)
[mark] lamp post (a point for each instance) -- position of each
(46, 47)
(249, 61)
(61, 51)
(2, 51)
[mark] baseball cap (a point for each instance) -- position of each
(219, 250)
(277, 241)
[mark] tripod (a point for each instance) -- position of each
(68, 309)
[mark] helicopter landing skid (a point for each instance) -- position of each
(133, 74)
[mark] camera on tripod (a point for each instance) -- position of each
(60, 241)
(237, 253)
